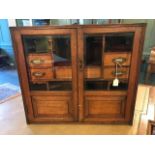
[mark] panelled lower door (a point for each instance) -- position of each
(50, 73)
(106, 54)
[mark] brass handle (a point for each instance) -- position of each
(119, 73)
(37, 61)
(38, 74)
(119, 60)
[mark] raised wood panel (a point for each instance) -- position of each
(52, 107)
(104, 107)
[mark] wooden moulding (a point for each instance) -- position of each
(53, 107)
(104, 105)
(105, 93)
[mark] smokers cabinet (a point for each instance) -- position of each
(79, 73)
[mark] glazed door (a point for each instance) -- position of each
(104, 73)
(50, 73)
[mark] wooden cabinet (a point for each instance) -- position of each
(68, 73)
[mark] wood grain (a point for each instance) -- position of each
(80, 105)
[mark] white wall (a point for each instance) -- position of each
(149, 35)
(11, 22)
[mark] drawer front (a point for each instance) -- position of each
(63, 72)
(92, 72)
(110, 58)
(101, 108)
(122, 73)
(40, 60)
(38, 74)
(58, 108)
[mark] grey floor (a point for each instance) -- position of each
(8, 75)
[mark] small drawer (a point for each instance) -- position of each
(123, 58)
(109, 73)
(40, 60)
(39, 75)
(92, 72)
(63, 72)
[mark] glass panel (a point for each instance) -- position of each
(121, 86)
(104, 85)
(58, 46)
(39, 22)
(119, 42)
(99, 64)
(96, 85)
(48, 62)
(52, 86)
(93, 50)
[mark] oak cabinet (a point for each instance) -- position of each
(79, 73)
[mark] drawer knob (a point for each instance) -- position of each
(119, 60)
(38, 74)
(119, 73)
(37, 61)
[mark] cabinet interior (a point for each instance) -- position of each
(58, 48)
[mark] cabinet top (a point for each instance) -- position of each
(76, 26)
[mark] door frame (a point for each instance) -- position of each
(23, 73)
(134, 68)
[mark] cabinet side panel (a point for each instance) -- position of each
(134, 72)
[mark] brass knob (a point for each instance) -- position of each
(38, 74)
(119, 60)
(119, 73)
(37, 61)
